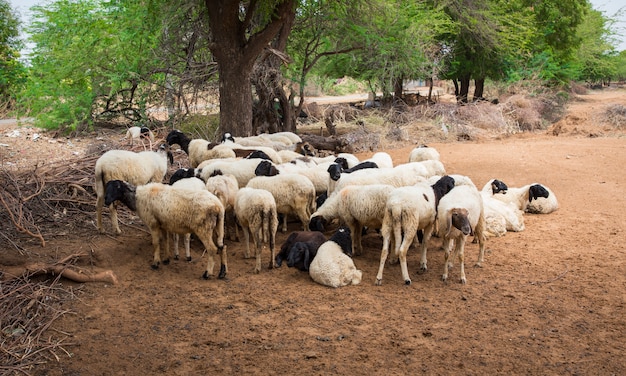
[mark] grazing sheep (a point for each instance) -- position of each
(164, 208)
(423, 153)
(299, 249)
(523, 197)
(400, 176)
(355, 206)
(409, 209)
(186, 183)
(139, 133)
(137, 168)
(184, 173)
(198, 150)
(294, 194)
(459, 214)
(255, 210)
(317, 174)
(332, 266)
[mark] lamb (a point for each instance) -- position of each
(459, 214)
(198, 149)
(139, 133)
(193, 183)
(332, 266)
(256, 213)
(523, 197)
(294, 194)
(241, 169)
(299, 249)
(423, 153)
(356, 206)
(164, 208)
(409, 209)
(136, 168)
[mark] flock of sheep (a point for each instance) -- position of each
(249, 183)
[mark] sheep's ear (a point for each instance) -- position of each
(306, 259)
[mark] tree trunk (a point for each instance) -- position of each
(464, 91)
(430, 90)
(478, 90)
(398, 88)
(235, 100)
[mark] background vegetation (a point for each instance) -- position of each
(127, 61)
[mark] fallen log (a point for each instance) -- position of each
(332, 143)
(63, 269)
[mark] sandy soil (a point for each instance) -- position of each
(549, 300)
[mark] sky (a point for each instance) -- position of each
(608, 7)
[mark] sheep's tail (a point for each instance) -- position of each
(479, 232)
(99, 185)
(273, 225)
(220, 229)
(265, 225)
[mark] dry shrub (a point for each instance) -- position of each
(615, 115)
(578, 89)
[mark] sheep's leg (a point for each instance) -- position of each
(284, 222)
(460, 248)
(386, 233)
(99, 205)
(428, 231)
(246, 238)
(209, 245)
(156, 244)
(409, 236)
(446, 249)
(175, 239)
(166, 250)
(356, 229)
(256, 239)
(114, 221)
(304, 219)
(187, 250)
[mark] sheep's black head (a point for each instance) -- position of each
(144, 132)
(165, 148)
(258, 154)
(265, 168)
(120, 190)
(459, 219)
(498, 186)
(442, 187)
(228, 137)
(317, 223)
(299, 256)
(174, 137)
(182, 173)
(334, 170)
(537, 190)
(343, 239)
(321, 199)
(341, 161)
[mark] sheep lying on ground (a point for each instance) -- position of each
(409, 209)
(294, 194)
(523, 197)
(163, 209)
(356, 206)
(186, 183)
(256, 213)
(501, 217)
(139, 133)
(423, 153)
(300, 248)
(136, 168)
(332, 266)
(198, 149)
(459, 214)
(493, 187)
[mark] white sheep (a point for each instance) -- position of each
(164, 208)
(331, 266)
(294, 194)
(255, 210)
(241, 169)
(198, 150)
(186, 183)
(523, 197)
(138, 134)
(399, 176)
(501, 217)
(355, 206)
(409, 209)
(136, 168)
(225, 188)
(423, 153)
(459, 214)
(382, 159)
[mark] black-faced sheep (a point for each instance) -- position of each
(225, 188)
(139, 134)
(256, 213)
(409, 209)
(300, 248)
(137, 168)
(423, 153)
(523, 197)
(198, 149)
(332, 266)
(460, 213)
(163, 209)
(186, 183)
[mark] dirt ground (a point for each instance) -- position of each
(549, 300)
